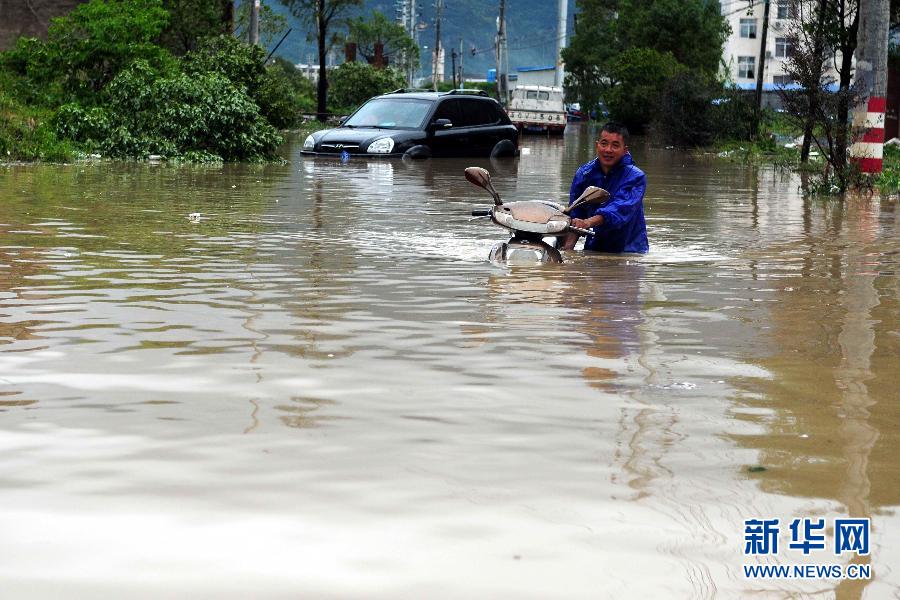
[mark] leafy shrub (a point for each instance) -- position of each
(144, 114)
(27, 134)
(228, 56)
(353, 83)
(685, 112)
(88, 47)
(640, 76)
(285, 94)
(733, 114)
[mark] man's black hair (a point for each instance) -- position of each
(614, 127)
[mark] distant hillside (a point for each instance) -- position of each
(531, 32)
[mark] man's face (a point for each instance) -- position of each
(610, 149)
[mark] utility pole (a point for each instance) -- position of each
(871, 75)
(439, 6)
(406, 15)
(462, 77)
(254, 23)
(761, 69)
(453, 63)
(501, 54)
(561, 40)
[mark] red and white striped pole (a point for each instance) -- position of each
(871, 74)
(868, 144)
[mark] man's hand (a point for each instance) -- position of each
(580, 224)
(588, 223)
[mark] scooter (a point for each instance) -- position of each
(530, 221)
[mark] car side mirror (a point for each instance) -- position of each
(442, 124)
(343, 120)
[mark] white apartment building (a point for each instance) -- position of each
(741, 52)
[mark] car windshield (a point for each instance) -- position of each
(390, 113)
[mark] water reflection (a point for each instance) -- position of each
(831, 289)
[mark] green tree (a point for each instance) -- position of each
(320, 15)
(400, 50)
(590, 48)
(354, 82)
(192, 20)
(693, 31)
(638, 77)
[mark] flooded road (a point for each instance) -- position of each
(319, 387)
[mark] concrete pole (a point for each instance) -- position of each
(502, 59)
(439, 5)
(254, 23)
(561, 40)
(867, 148)
(414, 34)
(462, 77)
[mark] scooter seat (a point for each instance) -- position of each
(532, 216)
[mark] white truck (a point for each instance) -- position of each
(538, 107)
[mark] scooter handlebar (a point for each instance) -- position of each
(580, 230)
(481, 212)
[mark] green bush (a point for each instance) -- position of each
(640, 76)
(353, 83)
(285, 94)
(88, 47)
(102, 81)
(733, 114)
(173, 116)
(27, 134)
(228, 56)
(686, 108)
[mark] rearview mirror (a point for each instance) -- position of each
(482, 179)
(591, 195)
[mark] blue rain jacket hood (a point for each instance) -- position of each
(623, 228)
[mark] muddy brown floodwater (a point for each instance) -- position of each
(319, 387)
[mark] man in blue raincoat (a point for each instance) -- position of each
(618, 225)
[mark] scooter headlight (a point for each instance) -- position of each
(382, 146)
(309, 143)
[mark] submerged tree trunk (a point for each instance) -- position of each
(812, 108)
(848, 47)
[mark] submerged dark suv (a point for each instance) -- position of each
(421, 125)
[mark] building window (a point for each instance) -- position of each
(746, 67)
(783, 47)
(748, 28)
(782, 80)
(787, 9)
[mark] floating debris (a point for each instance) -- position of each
(678, 385)
(194, 217)
(756, 469)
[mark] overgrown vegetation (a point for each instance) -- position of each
(114, 77)
(135, 78)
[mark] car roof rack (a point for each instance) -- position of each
(469, 92)
(409, 90)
